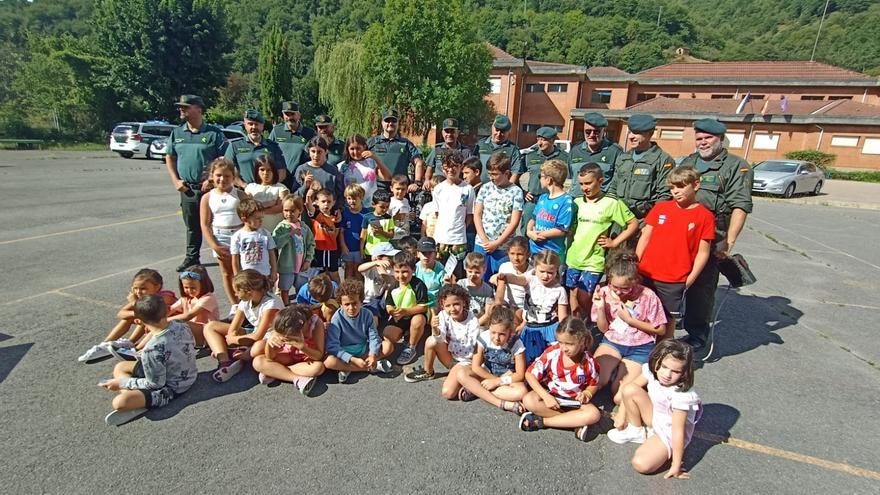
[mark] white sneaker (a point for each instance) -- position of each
(304, 384)
(265, 380)
(630, 434)
(122, 344)
(383, 366)
(123, 353)
(119, 418)
(97, 351)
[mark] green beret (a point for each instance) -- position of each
(289, 106)
(546, 132)
(254, 115)
(711, 126)
(390, 113)
(642, 122)
(323, 120)
(187, 100)
(450, 124)
(502, 123)
(595, 119)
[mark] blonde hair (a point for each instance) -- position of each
(474, 260)
(355, 191)
(682, 175)
(556, 170)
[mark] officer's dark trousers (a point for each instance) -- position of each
(700, 301)
(189, 206)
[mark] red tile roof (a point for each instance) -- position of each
(605, 71)
(754, 71)
(499, 54)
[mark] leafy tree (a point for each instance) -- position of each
(274, 73)
(342, 78)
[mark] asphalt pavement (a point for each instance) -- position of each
(790, 398)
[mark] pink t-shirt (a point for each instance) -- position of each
(207, 304)
(646, 307)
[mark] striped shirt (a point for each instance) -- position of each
(564, 381)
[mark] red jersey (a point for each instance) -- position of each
(564, 381)
(675, 240)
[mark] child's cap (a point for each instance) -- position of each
(426, 245)
(384, 249)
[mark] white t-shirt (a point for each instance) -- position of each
(454, 202)
(267, 194)
(396, 207)
(375, 285)
(253, 313)
(253, 247)
(515, 295)
(542, 303)
(460, 336)
(664, 401)
(428, 216)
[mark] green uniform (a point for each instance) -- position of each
(487, 148)
(641, 182)
(194, 151)
(605, 158)
(439, 152)
(292, 144)
(396, 153)
(335, 152)
(243, 153)
(533, 162)
(725, 184)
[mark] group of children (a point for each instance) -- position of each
(511, 317)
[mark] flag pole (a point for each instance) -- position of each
(816, 44)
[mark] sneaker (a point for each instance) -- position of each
(95, 352)
(305, 384)
(407, 355)
(343, 376)
(418, 375)
(122, 343)
(124, 353)
(630, 434)
(383, 366)
(119, 418)
(265, 380)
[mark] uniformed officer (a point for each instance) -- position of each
(397, 153)
(242, 153)
(335, 147)
(640, 173)
(191, 147)
(496, 143)
(547, 150)
(434, 163)
(596, 148)
(726, 190)
(292, 137)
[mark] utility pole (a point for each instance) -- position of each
(816, 44)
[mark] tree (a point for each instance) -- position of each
(274, 73)
(343, 86)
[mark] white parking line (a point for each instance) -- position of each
(86, 229)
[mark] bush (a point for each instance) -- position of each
(855, 175)
(823, 160)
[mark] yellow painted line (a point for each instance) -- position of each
(791, 456)
(103, 304)
(94, 227)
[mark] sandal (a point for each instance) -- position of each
(530, 421)
(581, 433)
(466, 395)
(226, 371)
(515, 407)
(240, 352)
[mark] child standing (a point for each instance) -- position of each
(378, 225)
(378, 279)
(563, 381)
(352, 223)
(481, 293)
(552, 222)
(293, 351)
(166, 368)
(499, 365)
(596, 213)
(317, 174)
(406, 306)
(430, 271)
(630, 317)
(326, 226)
(252, 247)
(471, 171)
(671, 405)
(497, 213)
(455, 206)
(428, 213)
(362, 167)
(352, 339)
(400, 208)
(197, 305)
(544, 305)
(675, 242)
(259, 307)
(454, 334)
(296, 247)
(268, 192)
(218, 214)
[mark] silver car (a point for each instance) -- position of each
(787, 178)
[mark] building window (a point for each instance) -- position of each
(600, 96)
(722, 97)
(839, 97)
(558, 128)
(758, 97)
(495, 84)
(812, 97)
(735, 139)
(557, 88)
(845, 141)
(871, 146)
(530, 127)
(766, 141)
(669, 95)
(671, 133)
(645, 96)
(534, 88)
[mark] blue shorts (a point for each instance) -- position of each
(352, 256)
(286, 281)
(536, 339)
(493, 260)
(635, 353)
(581, 279)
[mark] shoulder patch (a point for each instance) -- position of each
(744, 170)
(667, 165)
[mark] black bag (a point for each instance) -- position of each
(736, 270)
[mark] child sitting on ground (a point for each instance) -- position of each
(519, 264)
(166, 368)
(322, 291)
(409, 244)
(197, 305)
(293, 351)
(406, 306)
(252, 247)
(353, 342)
(378, 279)
(296, 247)
(430, 271)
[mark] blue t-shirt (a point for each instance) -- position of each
(352, 223)
(552, 214)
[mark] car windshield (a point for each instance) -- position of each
(122, 129)
(777, 167)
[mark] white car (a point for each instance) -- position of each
(132, 138)
(157, 147)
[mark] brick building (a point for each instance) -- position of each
(792, 105)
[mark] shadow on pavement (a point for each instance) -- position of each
(3, 337)
(712, 429)
(9, 358)
(205, 388)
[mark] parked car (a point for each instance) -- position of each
(157, 147)
(131, 138)
(788, 177)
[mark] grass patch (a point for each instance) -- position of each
(854, 175)
(62, 146)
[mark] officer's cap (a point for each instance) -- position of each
(595, 119)
(711, 126)
(254, 115)
(450, 124)
(390, 114)
(642, 122)
(547, 132)
(323, 120)
(502, 123)
(187, 100)
(289, 106)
